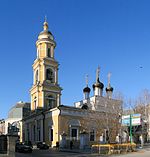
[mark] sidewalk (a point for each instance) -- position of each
(146, 147)
(81, 151)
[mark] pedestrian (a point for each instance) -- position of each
(117, 139)
(124, 137)
(141, 141)
(71, 144)
(101, 139)
(57, 145)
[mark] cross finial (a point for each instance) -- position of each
(109, 75)
(86, 80)
(45, 19)
(97, 73)
(45, 25)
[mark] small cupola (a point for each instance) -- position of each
(45, 43)
(86, 90)
(98, 86)
(109, 89)
(45, 34)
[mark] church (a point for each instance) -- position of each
(51, 122)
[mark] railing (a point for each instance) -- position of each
(113, 148)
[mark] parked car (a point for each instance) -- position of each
(23, 148)
(42, 145)
(28, 143)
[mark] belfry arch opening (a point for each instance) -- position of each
(50, 75)
(50, 101)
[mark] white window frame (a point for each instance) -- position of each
(92, 130)
(77, 128)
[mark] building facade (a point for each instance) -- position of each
(45, 91)
(13, 124)
(51, 122)
(2, 127)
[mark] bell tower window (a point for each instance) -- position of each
(51, 102)
(50, 75)
(35, 103)
(49, 52)
(36, 76)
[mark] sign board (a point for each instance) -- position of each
(135, 119)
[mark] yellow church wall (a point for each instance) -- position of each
(41, 77)
(51, 122)
(52, 63)
(40, 99)
(88, 123)
(41, 49)
(32, 100)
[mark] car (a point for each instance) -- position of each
(42, 145)
(23, 148)
(28, 143)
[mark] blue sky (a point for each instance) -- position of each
(114, 34)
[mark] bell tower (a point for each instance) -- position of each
(45, 92)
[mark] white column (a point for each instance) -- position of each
(45, 50)
(31, 103)
(56, 76)
(58, 99)
(37, 52)
(52, 51)
(43, 105)
(44, 71)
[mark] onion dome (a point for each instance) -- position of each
(98, 84)
(46, 34)
(85, 106)
(86, 90)
(109, 89)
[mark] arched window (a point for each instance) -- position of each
(35, 103)
(48, 52)
(36, 76)
(50, 75)
(51, 102)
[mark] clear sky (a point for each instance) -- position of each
(114, 34)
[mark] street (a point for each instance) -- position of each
(54, 153)
(47, 153)
(141, 153)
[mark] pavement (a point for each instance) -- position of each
(144, 152)
(139, 149)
